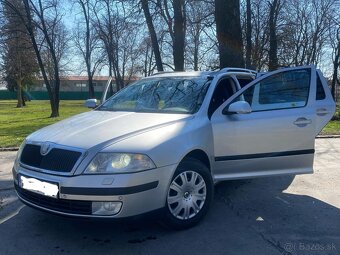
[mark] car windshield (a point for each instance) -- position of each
(160, 95)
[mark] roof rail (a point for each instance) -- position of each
(162, 72)
(234, 69)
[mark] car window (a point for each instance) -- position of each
(160, 95)
(223, 90)
(284, 90)
(244, 81)
(320, 92)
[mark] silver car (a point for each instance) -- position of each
(162, 142)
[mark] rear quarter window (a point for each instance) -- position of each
(320, 92)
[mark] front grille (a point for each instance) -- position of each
(60, 205)
(59, 160)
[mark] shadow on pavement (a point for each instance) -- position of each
(246, 217)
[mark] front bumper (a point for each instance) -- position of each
(139, 193)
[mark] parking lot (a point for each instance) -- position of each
(281, 215)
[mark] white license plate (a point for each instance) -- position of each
(37, 186)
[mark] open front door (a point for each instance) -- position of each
(106, 92)
(277, 137)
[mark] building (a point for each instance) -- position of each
(74, 84)
(71, 88)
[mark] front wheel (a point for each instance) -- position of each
(189, 195)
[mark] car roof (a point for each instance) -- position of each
(206, 73)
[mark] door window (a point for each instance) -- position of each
(244, 81)
(284, 90)
(223, 90)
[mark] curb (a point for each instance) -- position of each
(9, 149)
(327, 136)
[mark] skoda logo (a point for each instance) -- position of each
(45, 148)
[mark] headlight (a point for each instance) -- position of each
(17, 159)
(119, 163)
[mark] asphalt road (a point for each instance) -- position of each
(280, 215)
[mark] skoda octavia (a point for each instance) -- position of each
(162, 143)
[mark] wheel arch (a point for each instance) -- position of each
(200, 155)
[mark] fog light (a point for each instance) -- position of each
(106, 208)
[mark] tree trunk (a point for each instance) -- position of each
(19, 94)
(153, 36)
(196, 36)
(336, 65)
(229, 34)
(54, 101)
(248, 35)
(146, 61)
(150, 68)
(91, 88)
(53, 94)
(23, 98)
(54, 108)
(85, 8)
(196, 57)
(179, 34)
(111, 83)
(273, 61)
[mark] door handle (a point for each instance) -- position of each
(322, 112)
(302, 122)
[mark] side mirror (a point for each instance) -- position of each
(91, 103)
(239, 107)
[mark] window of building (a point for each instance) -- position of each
(81, 85)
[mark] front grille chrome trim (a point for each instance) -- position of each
(56, 146)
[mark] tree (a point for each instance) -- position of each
(115, 27)
(248, 36)
(229, 34)
(174, 14)
(18, 55)
(42, 21)
(60, 41)
(179, 34)
(305, 37)
(86, 42)
(336, 63)
(275, 6)
(200, 17)
(153, 36)
(259, 32)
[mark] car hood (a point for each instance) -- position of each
(92, 128)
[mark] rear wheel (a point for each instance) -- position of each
(189, 194)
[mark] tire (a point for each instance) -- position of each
(189, 195)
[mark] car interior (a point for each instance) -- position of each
(224, 89)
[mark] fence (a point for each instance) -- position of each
(42, 95)
(70, 95)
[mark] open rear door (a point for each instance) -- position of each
(324, 103)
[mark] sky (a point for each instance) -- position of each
(71, 14)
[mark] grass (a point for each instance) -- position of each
(333, 127)
(17, 123)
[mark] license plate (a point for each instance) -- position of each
(40, 187)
